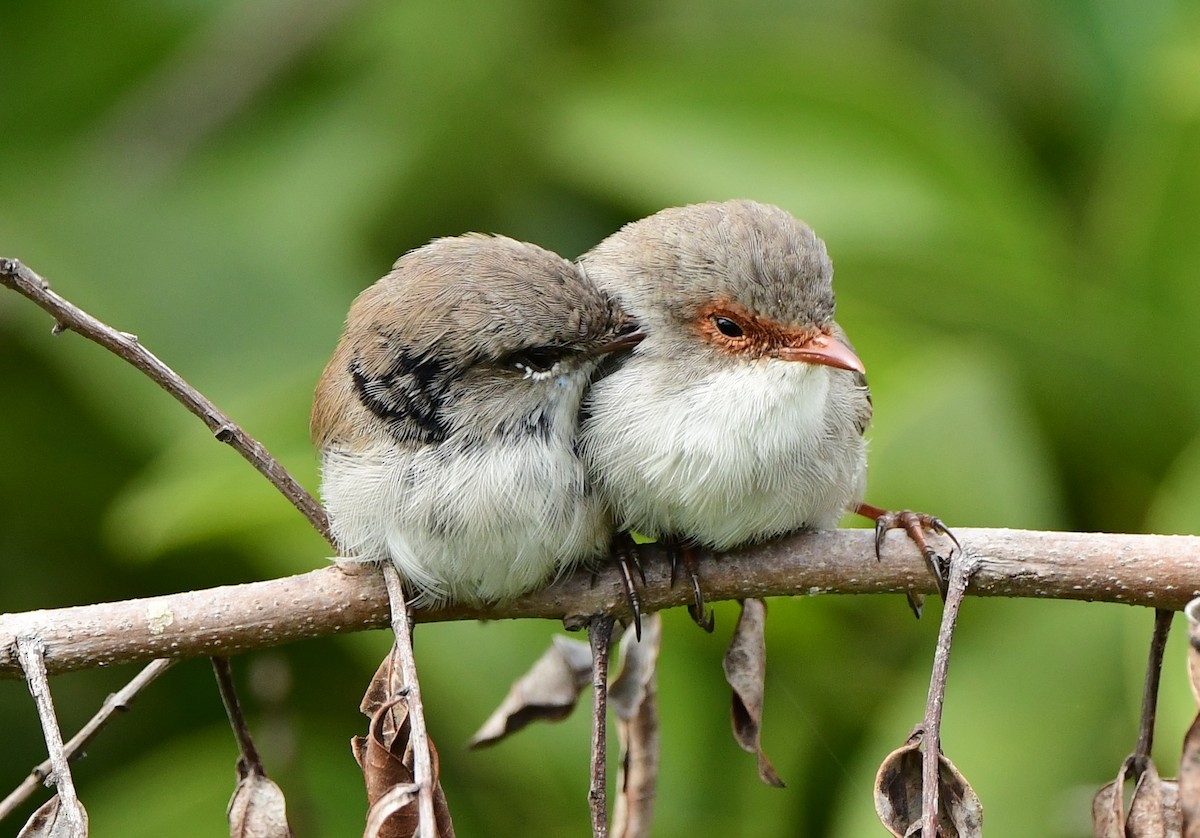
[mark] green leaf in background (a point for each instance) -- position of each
(962, 444)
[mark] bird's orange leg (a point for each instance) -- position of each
(916, 525)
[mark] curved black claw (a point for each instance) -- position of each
(683, 553)
(702, 616)
(627, 559)
(915, 524)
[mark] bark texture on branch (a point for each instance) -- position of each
(1158, 571)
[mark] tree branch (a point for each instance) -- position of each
(118, 702)
(1159, 571)
(124, 345)
(30, 651)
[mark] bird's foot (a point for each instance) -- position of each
(916, 525)
(627, 559)
(684, 553)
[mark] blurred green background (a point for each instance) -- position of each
(1010, 193)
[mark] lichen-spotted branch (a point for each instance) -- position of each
(1159, 571)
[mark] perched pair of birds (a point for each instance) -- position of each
(494, 413)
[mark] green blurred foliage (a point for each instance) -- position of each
(1009, 191)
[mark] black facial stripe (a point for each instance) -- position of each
(534, 424)
(407, 395)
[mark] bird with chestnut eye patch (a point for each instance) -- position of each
(740, 416)
(447, 419)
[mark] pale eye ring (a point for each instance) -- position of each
(536, 362)
(728, 327)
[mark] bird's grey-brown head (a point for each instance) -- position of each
(684, 258)
(748, 279)
(472, 333)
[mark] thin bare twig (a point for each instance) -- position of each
(1158, 646)
(115, 703)
(258, 806)
(247, 753)
(422, 760)
(962, 567)
(600, 632)
(32, 653)
(66, 315)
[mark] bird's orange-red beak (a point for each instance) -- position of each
(823, 349)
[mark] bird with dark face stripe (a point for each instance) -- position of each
(447, 419)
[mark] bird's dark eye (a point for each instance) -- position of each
(729, 328)
(535, 359)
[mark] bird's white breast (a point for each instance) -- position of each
(737, 454)
(476, 523)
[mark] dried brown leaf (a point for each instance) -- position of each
(381, 753)
(386, 683)
(634, 699)
(394, 814)
(548, 692)
(898, 795)
(1189, 782)
(745, 668)
(257, 808)
(639, 667)
(1153, 809)
(50, 822)
(1189, 766)
(1192, 611)
(386, 758)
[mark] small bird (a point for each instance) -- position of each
(740, 416)
(448, 416)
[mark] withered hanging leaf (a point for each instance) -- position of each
(386, 683)
(386, 818)
(1153, 809)
(257, 808)
(1192, 611)
(745, 668)
(639, 666)
(548, 692)
(386, 758)
(49, 821)
(385, 753)
(1189, 782)
(634, 699)
(1189, 766)
(898, 795)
